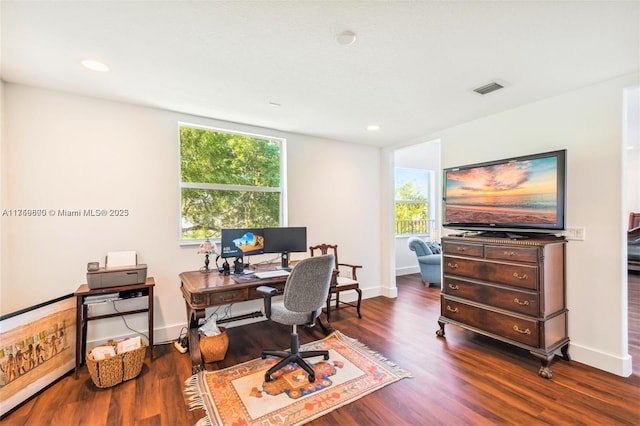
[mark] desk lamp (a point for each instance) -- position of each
(207, 248)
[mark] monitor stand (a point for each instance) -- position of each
(284, 261)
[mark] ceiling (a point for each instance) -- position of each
(412, 69)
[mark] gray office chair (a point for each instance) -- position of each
(305, 293)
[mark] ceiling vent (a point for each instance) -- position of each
(488, 88)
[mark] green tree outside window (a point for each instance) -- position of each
(411, 201)
(228, 181)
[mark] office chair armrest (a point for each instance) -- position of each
(354, 276)
(267, 292)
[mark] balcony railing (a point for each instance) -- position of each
(423, 227)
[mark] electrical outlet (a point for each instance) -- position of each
(575, 233)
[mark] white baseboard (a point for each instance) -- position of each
(407, 270)
(620, 366)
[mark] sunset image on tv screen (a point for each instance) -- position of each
(521, 192)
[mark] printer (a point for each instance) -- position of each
(113, 276)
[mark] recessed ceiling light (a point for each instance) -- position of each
(94, 65)
(373, 127)
(346, 37)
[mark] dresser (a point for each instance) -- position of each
(510, 290)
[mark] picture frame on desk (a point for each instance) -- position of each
(37, 347)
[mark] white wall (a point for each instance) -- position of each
(71, 152)
(632, 150)
(588, 123)
(4, 243)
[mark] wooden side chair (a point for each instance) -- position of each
(340, 283)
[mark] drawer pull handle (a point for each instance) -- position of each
(525, 303)
(450, 309)
(452, 265)
(520, 277)
(509, 253)
(461, 249)
(454, 287)
(526, 331)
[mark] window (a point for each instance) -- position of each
(228, 180)
(413, 214)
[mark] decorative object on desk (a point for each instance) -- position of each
(239, 394)
(37, 347)
(113, 370)
(207, 248)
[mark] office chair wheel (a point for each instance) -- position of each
(312, 378)
(326, 357)
(267, 377)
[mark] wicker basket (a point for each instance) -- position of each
(117, 369)
(214, 348)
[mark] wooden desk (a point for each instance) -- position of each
(82, 317)
(201, 291)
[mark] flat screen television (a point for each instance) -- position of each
(520, 194)
(285, 241)
(240, 242)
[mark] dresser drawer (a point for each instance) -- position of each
(516, 254)
(511, 327)
(463, 249)
(462, 267)
(513, 300)
(518, 275)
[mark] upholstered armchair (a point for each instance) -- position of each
(430, 263)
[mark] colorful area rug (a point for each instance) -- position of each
(239, 395)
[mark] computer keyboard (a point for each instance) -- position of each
(272, 274)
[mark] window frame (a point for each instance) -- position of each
(429, 202)
(282, 189)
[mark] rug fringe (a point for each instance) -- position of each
(375, 354)
(196, 399)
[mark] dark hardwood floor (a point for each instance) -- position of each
(463, 379)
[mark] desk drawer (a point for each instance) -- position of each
(253, 293)
(231, 296)
(522, 302)
(219, 298)
(521, 330)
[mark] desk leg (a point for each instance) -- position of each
(193, 315)
(79, 327)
